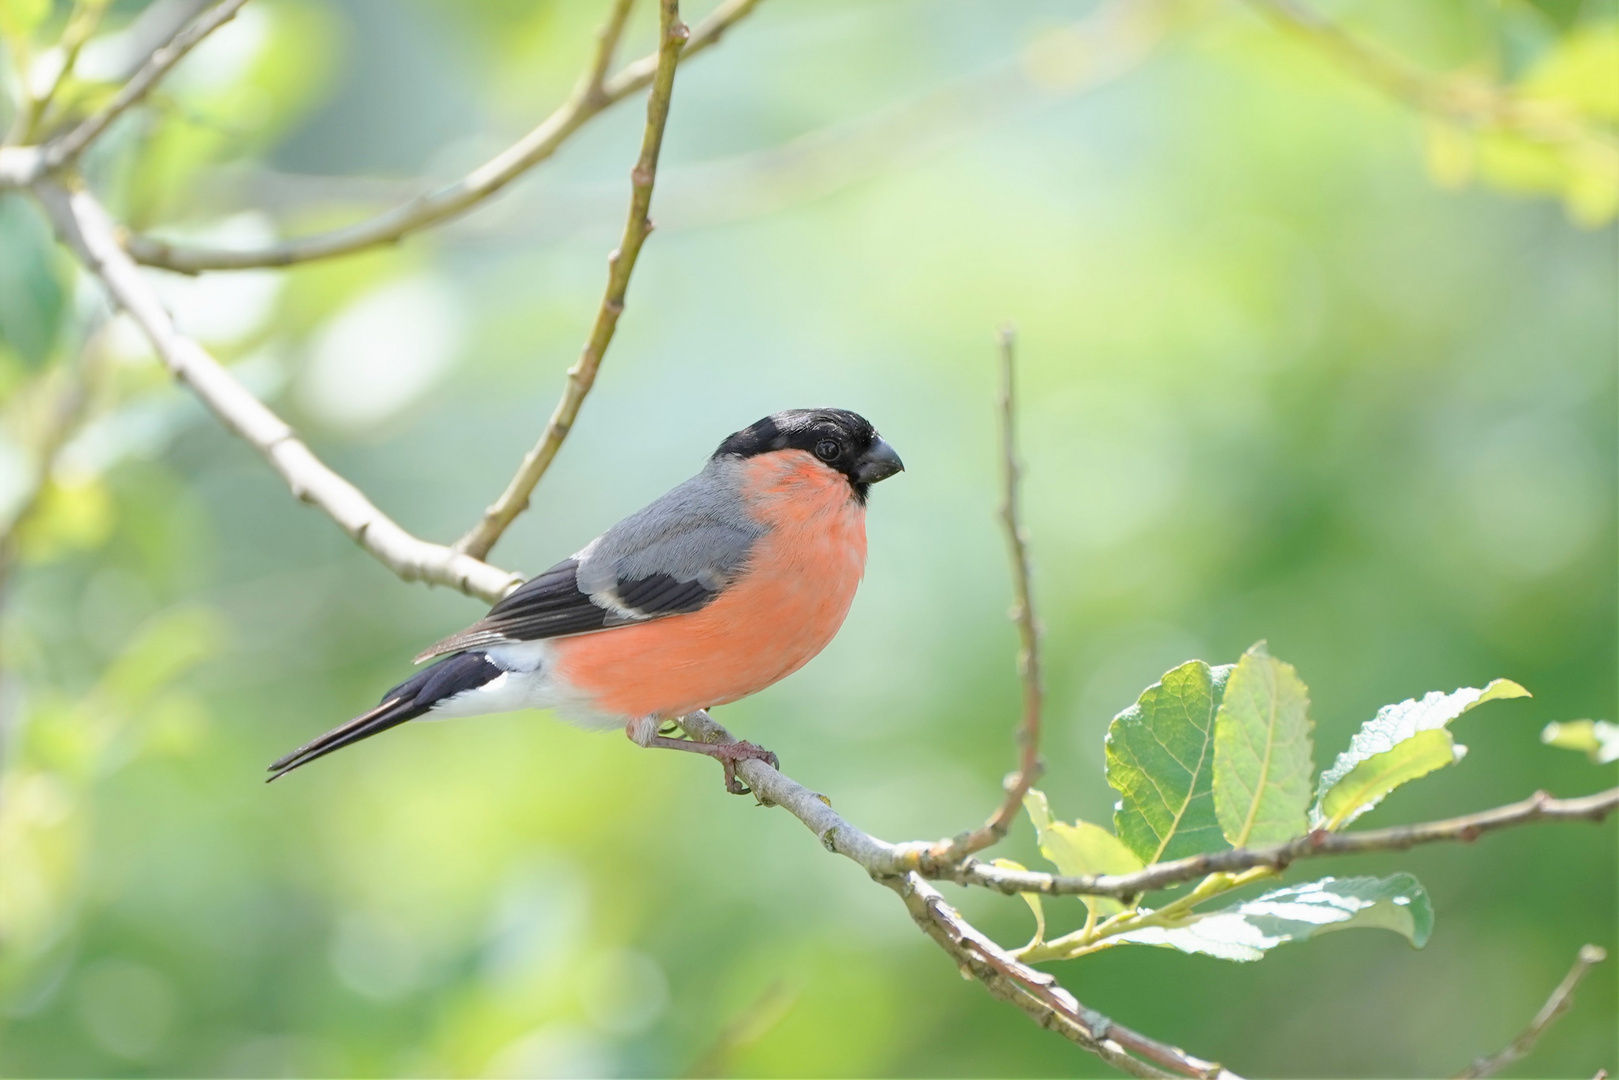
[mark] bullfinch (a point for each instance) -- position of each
(730, 582)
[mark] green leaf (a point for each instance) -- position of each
(1364, 786)
(1032, 899)
(1160, 759)
(1080, 848)
(1378, 759)
(1596, 738)
(1263, 756)
(1248, 930)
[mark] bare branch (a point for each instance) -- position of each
(1559, 1003)
(1538, 807)
(620, 264)
(64, 149)
(1040, 995)
(883, 859)
(454, 199)
(84, 226)
(31, 110)
(1029, 766)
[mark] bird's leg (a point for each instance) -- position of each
(645, 732)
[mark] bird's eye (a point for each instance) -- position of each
(827, 449)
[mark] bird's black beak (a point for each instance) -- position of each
(878, 463)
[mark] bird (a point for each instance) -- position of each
(723, 586)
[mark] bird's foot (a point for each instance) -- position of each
(742, 751)
(727, 754)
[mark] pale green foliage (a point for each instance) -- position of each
(1246, 931)
(1032, 899)
(1554, 134)
(1263, 755)
(1160, 759)
(1080, 848)
(1366, 783)
(19, 18)
(1597, 739)
(1400, 743)
(139, 704)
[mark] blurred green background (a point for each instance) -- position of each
(1278, 383)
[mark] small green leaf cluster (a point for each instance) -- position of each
(1551, 132)
(1211, 758)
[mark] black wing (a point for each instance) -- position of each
(552, 605)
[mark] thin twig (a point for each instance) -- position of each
(84, 226)
(1028, 628)
(64, 149)
(1040, 995)
(607, 39)
(454, 199)
(1559, 1003)
(881, 858)
(81, 24)
(620, 264)
(1538, 807)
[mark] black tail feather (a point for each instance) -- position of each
(410, 699)
(388, 714)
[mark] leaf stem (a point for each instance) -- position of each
(1093, 937)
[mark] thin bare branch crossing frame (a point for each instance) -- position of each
(595, 93)
(672, 38)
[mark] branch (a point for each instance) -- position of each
(1040, 995)
(1538, 807)
(1034, 992)
(464, 194)
(895, 865)
(64, 149)
(620, 264)
(903, 867)
(1029, 765)
(1561, 1000)
(84, 226)
(31, 110)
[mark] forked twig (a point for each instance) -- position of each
(66, 148)
(454, 199)
(620, 264)
(1041, 996)
(85, 227)
(1028, 628)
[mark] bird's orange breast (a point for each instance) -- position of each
(783, 609)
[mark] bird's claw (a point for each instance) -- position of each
(731, 753)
